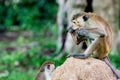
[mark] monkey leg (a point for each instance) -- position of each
(107, 61)
(92, 47)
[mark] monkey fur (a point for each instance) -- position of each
(45, 71)
(92, 27)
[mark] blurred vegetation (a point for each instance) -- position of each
(27, 14)
(28, 34)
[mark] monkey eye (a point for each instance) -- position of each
(85, 17)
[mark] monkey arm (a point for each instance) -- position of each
(106, 59)
(92, 47)
(94, 30)
(84, 33)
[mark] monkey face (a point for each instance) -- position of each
(78, 22)
(49, 68)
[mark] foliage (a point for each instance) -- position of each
(22, 54)
(115, 60)
(27, 14)
(25, 55)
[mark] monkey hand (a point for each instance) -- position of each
(79, 56)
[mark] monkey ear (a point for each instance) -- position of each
(85, 17)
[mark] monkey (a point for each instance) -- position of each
(45, 71)
(92, 25)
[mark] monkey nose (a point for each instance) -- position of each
(71, 30)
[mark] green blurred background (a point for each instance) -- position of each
(28, 36)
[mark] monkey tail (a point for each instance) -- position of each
(108, 62)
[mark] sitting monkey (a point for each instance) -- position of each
(92, 27)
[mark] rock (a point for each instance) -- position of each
(83, 69)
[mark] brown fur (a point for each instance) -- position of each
(41, 74)
(102, 27)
